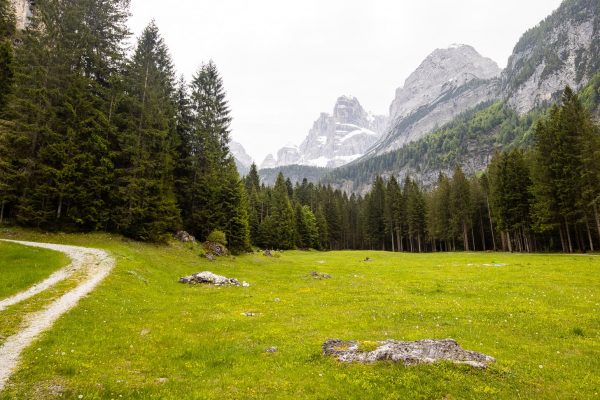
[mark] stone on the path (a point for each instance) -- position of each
(209, 278)
(320, 275)
(427, 351)
(185, 237)
(272, 350)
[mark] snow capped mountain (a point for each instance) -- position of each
(334, 140)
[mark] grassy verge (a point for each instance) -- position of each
(142, 335)
(22, 266)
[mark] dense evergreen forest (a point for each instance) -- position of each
(93, 137)
(543, 199)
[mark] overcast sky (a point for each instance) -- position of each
(284, 62)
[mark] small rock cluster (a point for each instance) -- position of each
(268, 253)
(427, 351)
(209, 278)
(185, 237)
(320, 275)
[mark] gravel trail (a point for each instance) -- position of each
(96, 264)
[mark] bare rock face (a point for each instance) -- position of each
(562, 50)
(209, 278)
(335, 139)
(242, 160)
(425, 351)
(447, 83)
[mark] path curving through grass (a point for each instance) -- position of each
(96, 264)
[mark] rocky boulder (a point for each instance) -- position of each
(427, 351)
(209, 278)
(185, 237)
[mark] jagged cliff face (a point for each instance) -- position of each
(562, 50)
(447, 83)
(242, 160)
(335, 139)
(22, 12)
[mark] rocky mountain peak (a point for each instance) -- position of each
(335, 139)
(441, 70)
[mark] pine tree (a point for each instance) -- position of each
(234, 205)
(279, 225)
(146, 163)
(311, 229)
(415, 214)
(393, 212)
(209, 174)
(60, 134)
(510, 187)
(376, 227)
(7, 32)
(438, 213)
(558, 170)
(460, 205)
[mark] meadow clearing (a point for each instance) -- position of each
(143, 335)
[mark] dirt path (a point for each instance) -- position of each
(96, 265)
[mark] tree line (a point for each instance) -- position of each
(93, 137)
(543, 199)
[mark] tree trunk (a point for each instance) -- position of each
(482, 231)
(491, 224)
(568, 235)
(2, 211)
(587, 225)
(419, 241)
(59, 210)
(393, 246)
(597, 219)
(509, 241)
(562, 239)
(473, 238)
(465, 236)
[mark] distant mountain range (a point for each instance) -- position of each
(435, 119)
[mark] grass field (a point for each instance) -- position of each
(21, 267)
(142, 335)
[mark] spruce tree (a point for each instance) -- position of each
(460, 206)
(279, 225)
(393, 212)
(145, 170)
(7, 32)
(376, 227)
(60, 136)
(209, 154)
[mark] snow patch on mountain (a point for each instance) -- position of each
(335, 139)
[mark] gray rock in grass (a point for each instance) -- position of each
(427, 351)
(209, 278)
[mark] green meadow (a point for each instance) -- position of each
(21, 267)
(143, 335)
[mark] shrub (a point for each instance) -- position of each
(217, 237)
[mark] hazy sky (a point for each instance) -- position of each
(284, 62)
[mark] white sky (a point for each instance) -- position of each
(284, 62)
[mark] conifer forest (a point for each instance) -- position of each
(94, 137)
